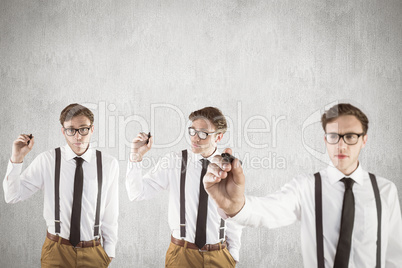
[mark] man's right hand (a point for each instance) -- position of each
(139, 147)
(224, 182)
(21, 148)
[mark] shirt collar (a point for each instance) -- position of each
(198, 157)
(69, 154)
(334, 175)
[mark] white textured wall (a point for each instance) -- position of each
(147, 64)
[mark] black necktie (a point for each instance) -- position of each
(201, 229)
(76, 212)
(348, 218)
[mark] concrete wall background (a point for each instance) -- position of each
(143, 65)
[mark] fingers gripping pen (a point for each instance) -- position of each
(149, 136)
(30, 137)
(229, 158)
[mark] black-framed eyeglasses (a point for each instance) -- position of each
(201, 134)
(348, 138)
(83, 131)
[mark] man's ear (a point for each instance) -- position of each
(365, 137)
(92, 129)
(219, 137)
(62, 130)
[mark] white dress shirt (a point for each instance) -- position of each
(166, 175)
(295, 201)
(40, 174)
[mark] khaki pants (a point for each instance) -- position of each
(55, 254)
(177, 256)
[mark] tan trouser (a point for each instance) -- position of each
(55, 254)
(177, 256)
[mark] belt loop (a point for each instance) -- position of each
(94, 243)
(185, 244)
(59, 242)
(220, 246)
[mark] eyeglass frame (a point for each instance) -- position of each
(342, 136)
(77, 130)
(198, 131)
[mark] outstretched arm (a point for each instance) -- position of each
(224, 182)
(19, 186)
(139, 186)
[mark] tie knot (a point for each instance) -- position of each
(348, 182)
(79, 161)
(205, 162)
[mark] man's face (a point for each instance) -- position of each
(345, 157)
(78, 143)
(204, 147)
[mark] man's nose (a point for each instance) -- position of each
(195, 138)
(342, 144)
(77, 135)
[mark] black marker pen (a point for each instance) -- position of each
(229, 158)
(30, 137)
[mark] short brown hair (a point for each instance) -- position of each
(212, 114)
(344, 109)
(74, 110)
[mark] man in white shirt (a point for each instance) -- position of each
(349, 217)
(198, 232)
(80, 187)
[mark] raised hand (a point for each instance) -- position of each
(21, 147)
(140, 145)
(224, 182)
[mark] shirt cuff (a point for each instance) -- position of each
(235, 254)
(110, 250)
(13, 168)
(222, 214)
(134, 167)
(242, 217)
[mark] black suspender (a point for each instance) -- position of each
(98, 202)
(222, 230)
(57, 191)
(379, 211)
(318, 219)
(183, 200)
(182, 194)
